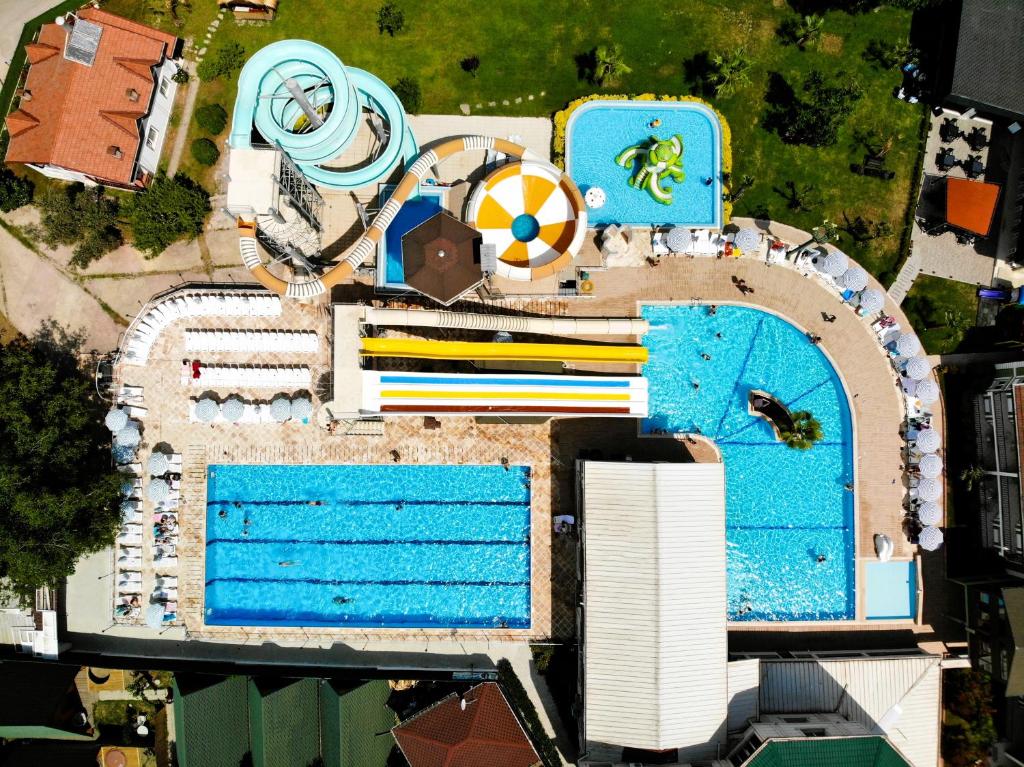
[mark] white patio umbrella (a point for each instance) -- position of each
(155, 615)
(929, 513)
(158, 464)
(678, 239)
(116, 419)
(930, 466)
(127, 507)
(123, 453)
(158, 490)
(930, 538)
(747, 239)
(907, 345)
(280, 408)
(854, 279)
(918, 368)
(835, 263)
(207, 410)
(301, 408)
(233, 409)
(929, 490)
(129, 436)
(928, 441)
(127, 488)
(872, 301)
(927, 391)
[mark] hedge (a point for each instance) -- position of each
(561, 119)
(521, 704)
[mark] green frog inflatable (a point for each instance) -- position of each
(655, 161)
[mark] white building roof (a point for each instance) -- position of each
(252, 189)
(900, 697)
(655, 644)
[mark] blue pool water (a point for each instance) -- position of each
(784, 507)
(599, 130)
(454, 553)
(890, 590)
(414, 212)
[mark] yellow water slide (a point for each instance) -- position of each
(416, 348)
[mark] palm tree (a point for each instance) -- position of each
(824, 232)
(608, 64)
(803, 432)
(809, 28)
(728, 72)
(970, 475)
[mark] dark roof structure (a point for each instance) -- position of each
(211, 716)
(989, 70)
(971, 205)
(1013, 599)
(40, 700)
(284, 721)
(442, 258)
(873, 751)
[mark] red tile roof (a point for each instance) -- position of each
(76, 113)
(485, 734)
(971, 205)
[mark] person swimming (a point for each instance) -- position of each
(400, 505)
(222, 514)
(821, 559)
(288, 563)
(237, 504)
(340, 600)
(315, 503)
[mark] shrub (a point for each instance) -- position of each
(223, 61)
(15, 191)
(408, 92)
(814, 116)
(390, 18)
(520, 702)
(170, 209)
(84, 218)
(211, 118)
(205, 151)
(470, 64)
(181, 76)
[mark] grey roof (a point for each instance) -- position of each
(989, 69)
(1013, 599)
(83, 42)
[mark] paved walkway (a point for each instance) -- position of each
(13, 16)
(905, 279)
(186, 118)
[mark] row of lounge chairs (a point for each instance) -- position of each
(302, 341)
(254, 376)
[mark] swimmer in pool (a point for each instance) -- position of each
(315, 503)
(821, 559)
(222, 514)
(237, 504)
(339, 600)
(288, 563)
(400, 505)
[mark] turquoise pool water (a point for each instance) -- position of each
(384, 545)
(890, 590)
(414, 212)
(784, 507)
(599, 130)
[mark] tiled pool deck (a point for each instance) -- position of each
(849, 341)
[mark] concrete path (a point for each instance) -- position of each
(13, 16)
(905, 279)
(186, 118)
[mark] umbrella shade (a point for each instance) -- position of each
(123, 453)
(301, 408)
(929, 490)
(116, 419)
(835, 264)
(207, 410)
(928, 441)
(129, 436)
(158, 464)
(233, 409)
(678, 239)
(158, 490)
(929, 513)
(441, 258)
(930, 466)
(280, 408)
(928, 391)
(127, 488)
(907, 345)
(155, 615)
(127, 507)
(854, 279)
(918, 368)
(747, 239)
(872, 301)
(930, 538)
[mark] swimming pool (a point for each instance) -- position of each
(599, 130)
(784, 507)
(368, 546)
(417, 209)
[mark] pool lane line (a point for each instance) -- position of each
(427, 502)
(776, 443)
(377, 542)
(787, 527)
(346, 582)
(743, 369)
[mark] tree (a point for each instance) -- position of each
(802, 30)
(390, 18)
(211, 118)
(804, 431)
(889, 54)
(15, 191)
(864, 229)
(59, 496)
(728, 71)
(826, 231)
(205, 151)
(408, 91)
(968, 730)
(470, 64)
(971, 476)
(814, 117)
(228, 57)
(83, 217)
(170, 209)
(740, 188)
(799, 197)
(181, 76)
(608, 64)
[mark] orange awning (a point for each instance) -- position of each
(971, 205)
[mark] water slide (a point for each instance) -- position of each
(505, 394)
(407, 187)
(552, 326)
(270, 88)
(1002, 294)
(415, 348)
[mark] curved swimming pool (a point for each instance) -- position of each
(785, 508)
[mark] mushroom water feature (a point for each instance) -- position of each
(654, 162)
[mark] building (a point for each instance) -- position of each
(41, 700)
(998, 426)
(994, 620)
(982, 78)
(97, 100)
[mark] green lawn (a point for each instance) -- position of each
(942, 311)
(529, 48)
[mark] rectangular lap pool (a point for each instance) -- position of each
(368, 546)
